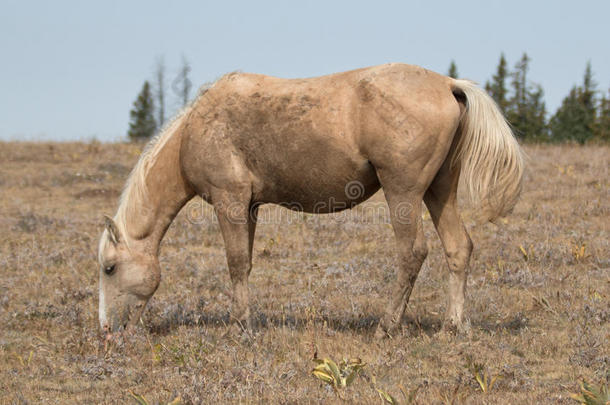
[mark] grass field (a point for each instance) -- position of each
(538, 295)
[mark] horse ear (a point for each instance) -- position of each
(113, 230)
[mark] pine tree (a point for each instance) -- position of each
(588, 100)
(526, 110)
(576, 119)
(142, 124)
(453, 72)
(520, 81)
(536, 114)
(568, 121)
(516, 112)
(497, 88)
(602, 127)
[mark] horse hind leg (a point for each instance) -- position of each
(441, 200)
(405, 213)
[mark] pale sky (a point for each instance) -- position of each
(70, 70)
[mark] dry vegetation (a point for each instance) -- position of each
(538, 292)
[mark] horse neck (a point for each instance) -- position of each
(166, 192)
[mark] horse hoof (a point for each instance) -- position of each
(381, 334)
(456, 328)
(239, 330)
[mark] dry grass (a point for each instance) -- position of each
(538, 296)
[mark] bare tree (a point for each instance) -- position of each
(182, 84)
(160, 90)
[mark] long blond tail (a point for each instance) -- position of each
(488, 154)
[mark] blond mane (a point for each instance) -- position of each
(135, 192)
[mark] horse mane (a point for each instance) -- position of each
(135, 191)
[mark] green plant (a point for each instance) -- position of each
(485, 380)
(337, 376)
(387, 397)
(25, 362)
(140, 400)
(409, 396)
(453, 397)
(591, 395)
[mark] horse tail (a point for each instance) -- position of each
(487, 154)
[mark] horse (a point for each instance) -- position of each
(251, 139)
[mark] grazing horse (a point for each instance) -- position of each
(251, 139)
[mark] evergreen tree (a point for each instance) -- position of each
(453, 72)
(588, 96)
(142, 124)
(576, 118)
(536, 114)
(497, 88)
(602, 128)
(526, 109)
(568, 123)
(520, 81)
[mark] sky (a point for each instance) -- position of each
(70, 70)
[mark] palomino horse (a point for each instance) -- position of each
(251, 139)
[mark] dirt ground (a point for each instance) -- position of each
(538, 295)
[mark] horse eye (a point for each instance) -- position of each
(109, 270)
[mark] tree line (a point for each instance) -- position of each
(147, 115)
(583, 116)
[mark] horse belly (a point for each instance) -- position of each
(317, 180)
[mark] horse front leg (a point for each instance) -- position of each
(237, 220)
